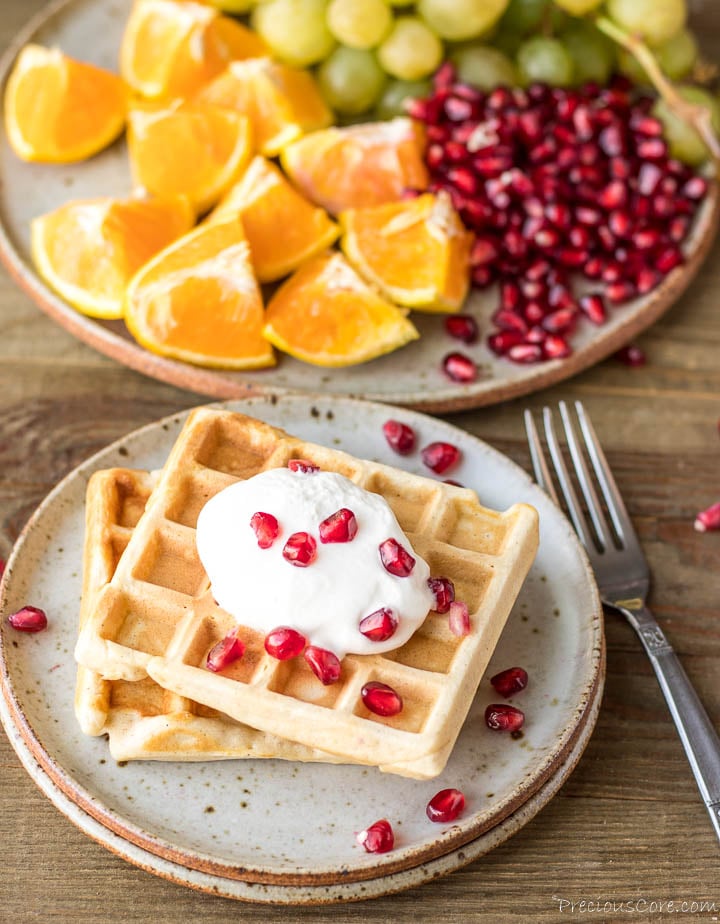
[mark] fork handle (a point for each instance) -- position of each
(696, 731)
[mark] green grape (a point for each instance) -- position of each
(578, 7)
(655, 21)
(294, 30)
(484, 66)
(396, 93)
(508, 42)
(629, 65)
(683, 140)
(524, 16)
(458, 20)
(678, 55)
(593, 54)
(411, 51)
(351, 80)
(359, 23)
(545, 60)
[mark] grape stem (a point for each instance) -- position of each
(697, 116)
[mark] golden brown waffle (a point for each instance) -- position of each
(157, 616)
(141, 719)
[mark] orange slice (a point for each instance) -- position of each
(171, 48)
(417, 252)
(88, 250)
(327, 315)
(357, 166)
(198, 151)
(281, 102)
(282, 228)
(198, 300)
(59, 110)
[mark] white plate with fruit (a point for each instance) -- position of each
(583, 226)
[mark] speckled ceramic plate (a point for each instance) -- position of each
(91, 30)
(291, 825)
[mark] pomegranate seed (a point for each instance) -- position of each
(620, 292)
(378, 838)
(2, 567)
(561, 321)
(651, 149)
(284, 643)
(695, 188)
(510, 295)
(459, 368)
(458, 110)
(501, 343)
(28, 619)
(648, 178)
(613, 195)
(462, 327)
(482, 277)
(708, 519)
(300, 550)
(646, 280)
(379, 626)
(646, 238)
(381, 698)
(463, 180)
(340, 526)
(556, 347)
(440, 456)
(525, 353)
(459, 618)
(631, 356)
(646, 125)
(501, 717)
(266, 528)
(446, 805)
(619, 223)
(486, 249)
(443, 590)
(226, 651)
(508, 320)
(536, 334)
(400, 437)
(510, 681)
(444, 75)
(395, 559)
(302, 465)
(668, 259)
(679, 228)
(593, 307)
(323, 663)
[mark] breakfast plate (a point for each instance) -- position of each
(282, 831)
(411, 376)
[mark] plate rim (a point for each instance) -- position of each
(453, 838)
(216, 384)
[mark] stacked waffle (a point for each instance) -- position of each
(148, 617)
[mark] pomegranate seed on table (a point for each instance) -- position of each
(708, 519)
(400, 436)
(300, 550)
(510, 681)
(631, 355)
(379, 626)
(323, 663)
(302, 465)
(440, 456)
(395, 559)
(266, 528)
(459, 368)
(445, 806)
(443, 590)
(284, 643)
(28, 618)
(462, 327)
(378, 837)
(381, 699)
(501, 717)
(225, 652)
(340, 526)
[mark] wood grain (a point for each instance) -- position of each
(627, 825)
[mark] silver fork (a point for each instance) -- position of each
(623, 579)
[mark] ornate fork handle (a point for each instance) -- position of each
(697, 733)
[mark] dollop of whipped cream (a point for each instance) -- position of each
(326, 600)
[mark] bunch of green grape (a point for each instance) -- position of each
(370, 56)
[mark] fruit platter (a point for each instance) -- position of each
(440, 205)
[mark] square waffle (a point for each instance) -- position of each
(157, 617)
(141, 719)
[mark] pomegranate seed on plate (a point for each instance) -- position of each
(695, 188)
(445, 805)
(225, 652)
(459, 368)
(381, 699)
(302, 465)
(525, 353)
(443, 590)
(340, 526)
(593, 307)
(708, 519)
(440, 456)
(284, 643)
(323, 663)
(266, 528)
(2, 567)
(28, 619)
(378, 837)
(556, 347)
(501, 717)
(300, 549)
(395, 558)
(668, 259)
(459, 618)
(380, 625)
(510, 681)
(502, 342)
(400, 437)
(462, 327)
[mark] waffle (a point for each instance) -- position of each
(142, 720)
(157, 616)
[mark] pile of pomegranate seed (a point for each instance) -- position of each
(510, 681)
(445, 805)
(28, 619)
(378, 837)
(226, 651)
(557, 184)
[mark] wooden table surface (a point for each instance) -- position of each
(628, 825)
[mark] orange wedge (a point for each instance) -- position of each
(357, 166)
(282, 228)
(281, 102)
(58, 110)
(198, 151)
(327, 315)
(171, 48)
(198, 301)
(88, 250)
(417, 252)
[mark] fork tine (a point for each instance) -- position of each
(537, 456)
(613, 499)
(571, 499)
(586, 485)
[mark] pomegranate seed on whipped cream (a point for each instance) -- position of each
(344, 583)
